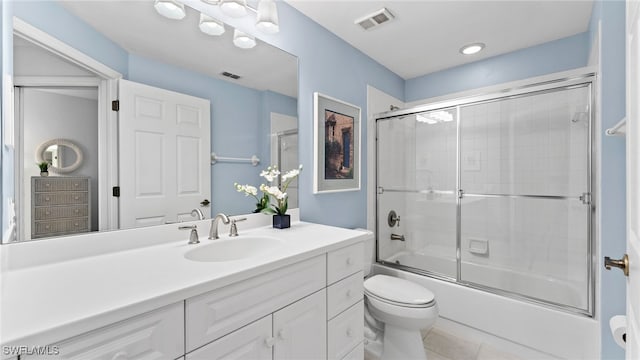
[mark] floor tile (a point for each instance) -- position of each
(450, 346)
(488, 352)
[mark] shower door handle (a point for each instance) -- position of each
(623, 263)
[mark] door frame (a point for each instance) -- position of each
(106, 79)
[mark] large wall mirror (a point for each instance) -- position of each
(247, 98)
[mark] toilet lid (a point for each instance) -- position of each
(398, 290)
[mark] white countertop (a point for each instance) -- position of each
(40, 305)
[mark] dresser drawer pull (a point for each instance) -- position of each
(76, 211)
(47, 199)
(76, 197)
(349, 332)
(120, 355)
(47, 185)
(349, 261)
(47, 227)
(76, 184)
(269, 342)
(76, 224)
(47, 212)
(349, 293)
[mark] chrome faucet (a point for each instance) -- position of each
(193, 236)
(213, 231)
(233, 231)
(197, 212)
(397, 237)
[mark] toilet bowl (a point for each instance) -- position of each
(395, 312)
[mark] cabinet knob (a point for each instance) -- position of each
(76, 184)
(47, 227)
(77, 211)
(47, 212)
(349, 332)
(269, 342)
(349, 293)
(47, 198)
(76, 197)
(349, 261)
(120, 355)
(76, 224)
(47, 185)
(282, 334)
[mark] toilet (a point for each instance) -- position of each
(395, 312)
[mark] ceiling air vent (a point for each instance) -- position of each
(374, 19)
(230, 75)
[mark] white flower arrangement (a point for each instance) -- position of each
(263, 204)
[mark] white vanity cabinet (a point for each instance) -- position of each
(345, 306)
(297, 331)
(310, 309)
(155, 335)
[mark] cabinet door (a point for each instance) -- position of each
(300, 329)
(252, 342)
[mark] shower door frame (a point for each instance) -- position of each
(588, 79)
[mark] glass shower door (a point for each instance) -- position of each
(417, 202)
(525, 212)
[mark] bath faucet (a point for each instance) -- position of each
(233, 231)
(197, 212)
(397, 237)
(193, 236)
(213, 231)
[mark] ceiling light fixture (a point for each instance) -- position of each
(472, 48)
(211, 26)
(243, 40)
(234, 8)
(267, 18)
(170, 9)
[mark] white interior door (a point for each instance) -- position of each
(164, 155)
(633, 179)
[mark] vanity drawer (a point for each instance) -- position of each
(216, 313)
(344, 262)
(344, 293)
(66, 226)
(253, 341)
(60, 198)
(155, 335)
(346, 331)
(60, 184)
(60, 212)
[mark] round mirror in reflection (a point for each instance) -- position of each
(63, 155)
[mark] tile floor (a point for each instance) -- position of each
(441, 345)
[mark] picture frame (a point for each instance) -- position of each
(337, 145)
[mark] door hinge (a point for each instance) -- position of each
(585, 198)
(115, 105)
(116, 191)
(460, 193)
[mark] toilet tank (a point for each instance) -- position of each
(369, 251)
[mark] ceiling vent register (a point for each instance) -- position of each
(374, 19)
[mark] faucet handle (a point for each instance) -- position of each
(233, 230)
(193, 236)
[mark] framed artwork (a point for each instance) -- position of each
(336, 145)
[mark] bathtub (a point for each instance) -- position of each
(529, 285)
(544, 329)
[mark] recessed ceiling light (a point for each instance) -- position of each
(472, 48)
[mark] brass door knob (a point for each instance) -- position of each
(623, 263)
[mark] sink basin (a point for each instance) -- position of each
(231, 249)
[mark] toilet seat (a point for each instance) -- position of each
(398, 292)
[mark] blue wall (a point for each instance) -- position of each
(612, 152)
(563, 54)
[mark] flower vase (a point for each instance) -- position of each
(281, 221)
(44, 173)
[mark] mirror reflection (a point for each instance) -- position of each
(134, 172)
